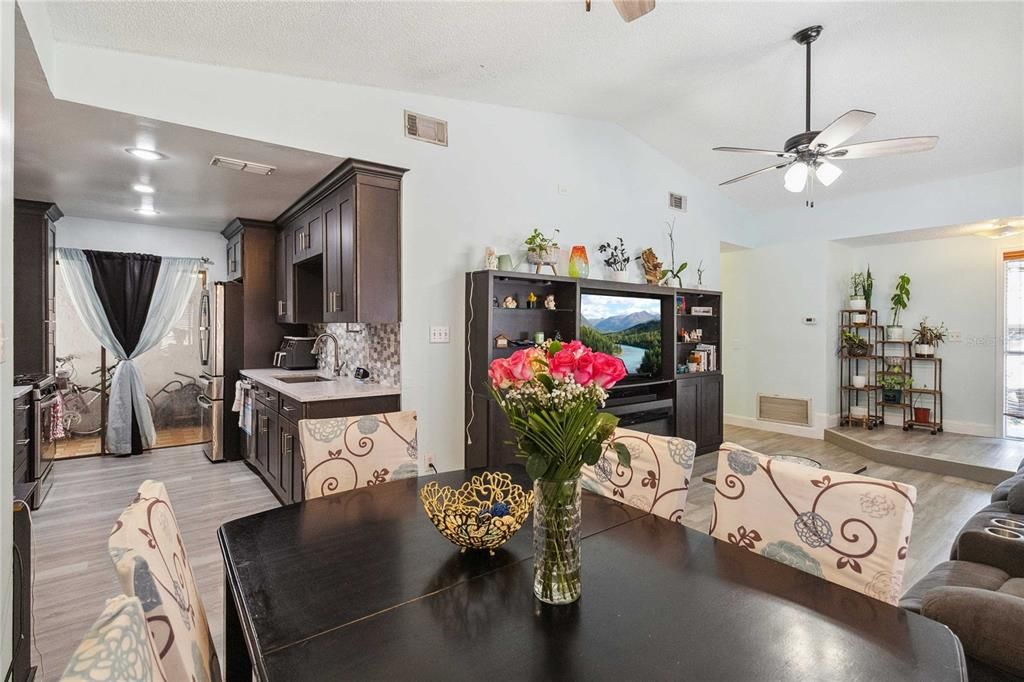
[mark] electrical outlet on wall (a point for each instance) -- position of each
(430, 466)
(563, 189)
(439, 335)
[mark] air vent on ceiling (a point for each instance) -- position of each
(426, 128)
(775, 408)
(677, 201)
(244, 166)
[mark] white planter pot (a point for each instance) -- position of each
(859, 381)
(618, 275)
(893, 333)
(924, 350)
(858, 304)
(859, 318)
(859, 411)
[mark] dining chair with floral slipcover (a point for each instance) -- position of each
(116, 647)
(657, 478)
(152, 564)
(345, 453)
(848, 529)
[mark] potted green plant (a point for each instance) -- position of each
(927, 337)
(869, 288)
(541, 249)
(675, 272)
(857, 300)
(898, 303)
(854, 345)
(616, 260)
(893, 381)
(922, 415)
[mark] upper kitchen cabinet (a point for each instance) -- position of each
(234, 257)
(341, 242)
(34, 284)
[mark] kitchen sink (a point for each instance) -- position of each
(301, 380)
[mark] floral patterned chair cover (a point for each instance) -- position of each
(850, 530)
(152, 564)
(116, 648)
(345, 453)
(657, 478)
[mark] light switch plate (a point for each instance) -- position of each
(439, 335)
(956, 336)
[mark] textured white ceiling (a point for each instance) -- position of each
(74, 155)
(685, 78)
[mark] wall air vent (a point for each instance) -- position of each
(775, 408)
(244, 166)
(426, 128)
(677, 201)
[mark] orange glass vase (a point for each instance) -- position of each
(579, 263)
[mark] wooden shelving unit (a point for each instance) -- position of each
(920, 370)
(859, 365)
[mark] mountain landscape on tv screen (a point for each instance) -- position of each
(618, 327)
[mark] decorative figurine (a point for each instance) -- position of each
(700, 275)
(501, 341)
(538, 338)
(558, 335)
(510, 302)
(495, 302)
(549, 301)
(652, 266)
(490, 258)
(531, 301)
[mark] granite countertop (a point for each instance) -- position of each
(20, 391)
(340, 388)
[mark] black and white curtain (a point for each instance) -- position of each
(129, 301)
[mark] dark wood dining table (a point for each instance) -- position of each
(360, 585)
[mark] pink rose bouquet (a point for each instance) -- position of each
(552, 395)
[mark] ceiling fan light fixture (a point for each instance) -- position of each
(827, 173)
(796, 177)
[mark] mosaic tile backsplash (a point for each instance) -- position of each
(373, 346)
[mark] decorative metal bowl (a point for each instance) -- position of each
(483, 513)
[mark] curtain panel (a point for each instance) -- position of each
(129, 302)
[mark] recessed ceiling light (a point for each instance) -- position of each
(143, 189)
(147, 211)
(145, 154)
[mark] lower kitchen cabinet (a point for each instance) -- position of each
(274, 451)
(699, 410)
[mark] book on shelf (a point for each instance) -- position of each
(708, 354)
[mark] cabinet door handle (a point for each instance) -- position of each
(23, 441)
(280, 308)
(288, 408)
(287, 447)
(263, 424)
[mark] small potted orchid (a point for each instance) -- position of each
(552, 395)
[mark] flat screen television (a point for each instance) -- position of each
(628, 327)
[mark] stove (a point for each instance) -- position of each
(38, 381)
(45, 414)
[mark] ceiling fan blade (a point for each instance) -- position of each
(842, 129)
(750, 175)
(898, 145)
(631, 10)
(746, 150)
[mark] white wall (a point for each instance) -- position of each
(954, 281)
(498, 178)
(107, 235)
(6, 321)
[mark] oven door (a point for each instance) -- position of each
(44, 449)
(210, 418)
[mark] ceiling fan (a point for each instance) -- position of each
(630, 10)
(809, 155)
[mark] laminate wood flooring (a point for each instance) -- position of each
(74, 575)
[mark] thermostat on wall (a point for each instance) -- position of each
(810, 320)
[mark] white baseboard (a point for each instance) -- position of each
(971, 429)
(821, 422)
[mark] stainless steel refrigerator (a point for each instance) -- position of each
(220, 354)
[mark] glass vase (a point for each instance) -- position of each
(556, 540)
(579, 263)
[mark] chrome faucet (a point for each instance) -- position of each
(318, 350)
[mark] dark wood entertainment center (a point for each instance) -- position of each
(688, 405)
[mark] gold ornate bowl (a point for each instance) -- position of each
(483, 513)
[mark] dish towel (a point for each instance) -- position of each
(240, 388)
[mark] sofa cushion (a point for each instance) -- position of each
(956, 574)
(1014, 586)
(988, 623)
(1001, 491)
(1020, 468)
(1015, 498)
(981, 520)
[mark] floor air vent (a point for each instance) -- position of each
(426, 128)
(775, 408)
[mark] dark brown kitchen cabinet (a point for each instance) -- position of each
(234, 258)
(699, 410)
(274, 451)
(34, 283)
(345, 250)
(285, 280)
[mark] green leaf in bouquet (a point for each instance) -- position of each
(592, 453)
(536, 466)
(546, 381)
(554, 347)
(623, 453)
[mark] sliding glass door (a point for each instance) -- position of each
(1013, 344)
